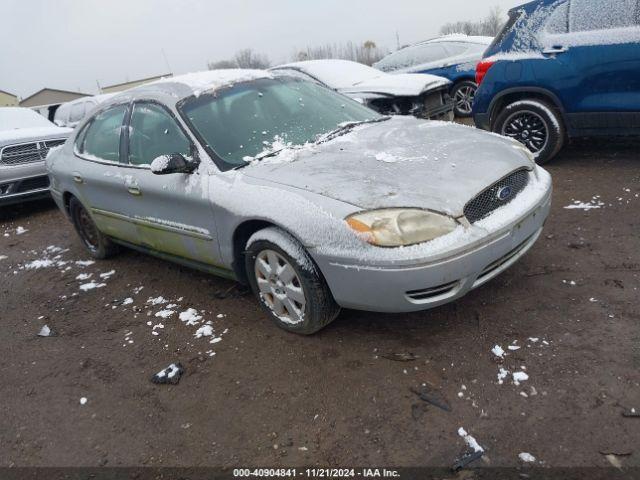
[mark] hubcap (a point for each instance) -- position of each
(88, 230)
(528, 128)
(280, 287)
(464, 99)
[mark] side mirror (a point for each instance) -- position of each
(172, 163)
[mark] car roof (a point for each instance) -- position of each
(197, 83)
(459, 38)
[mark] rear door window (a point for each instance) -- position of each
(102, 138)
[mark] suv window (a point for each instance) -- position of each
(102, 138)
(587, 15)
(154, 133)
(558, 21)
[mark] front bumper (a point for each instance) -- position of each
(424, 286)
(23, 189)
(482, 121)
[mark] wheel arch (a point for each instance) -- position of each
(511, 95)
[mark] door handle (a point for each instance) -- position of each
(77, 177)
(555, 50)
(134, 190)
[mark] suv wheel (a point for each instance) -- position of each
(535, 124)
(288, 284)
(463, 94)
(98, 244)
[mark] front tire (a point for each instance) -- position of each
(287, 282)
(534, 123)
(98, 244)
(463, 94)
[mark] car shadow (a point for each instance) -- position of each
(24, 210)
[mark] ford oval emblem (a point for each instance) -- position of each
(504, 193)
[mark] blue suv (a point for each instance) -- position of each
(562, 69)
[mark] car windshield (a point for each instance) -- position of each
(12, 118)
(251, 118)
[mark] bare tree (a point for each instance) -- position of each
(222, 65)
(367, 53)
(490, 26)
(247, 58)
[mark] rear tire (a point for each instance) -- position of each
(534, 123)
(287, 282)
(463, 94)
(98, 244)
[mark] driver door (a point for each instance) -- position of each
(172, 213)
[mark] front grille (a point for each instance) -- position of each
(489, 200)
(35, 183)
(27, 152)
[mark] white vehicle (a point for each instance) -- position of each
(70, 114)
(423, 96)
(25, 140)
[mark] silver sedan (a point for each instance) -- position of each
(314, 200)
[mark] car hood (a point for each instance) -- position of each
(402, 162)
(402, 85)
(22, 135)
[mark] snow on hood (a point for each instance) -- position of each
(403, 84)
(201, 82)
(354, 77)
(402, 162)
(19, 135)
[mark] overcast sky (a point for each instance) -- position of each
(72, 44)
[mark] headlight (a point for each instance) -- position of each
(395, 227)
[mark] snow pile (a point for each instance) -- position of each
(85, 287)
(190, 317)
(21, 230)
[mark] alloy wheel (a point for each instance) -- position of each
(464, 99)
(280, 287)
(528, 128)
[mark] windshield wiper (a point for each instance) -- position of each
(346, 128)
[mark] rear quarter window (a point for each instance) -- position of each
(591, 15)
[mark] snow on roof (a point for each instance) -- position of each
(461, 37)
(200, 82)
(334, 72)
(17, 117)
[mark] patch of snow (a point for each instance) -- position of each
(107, 275)
(45, 331)
(84, 276)
(519, 377)
(578, 205)
(21, 230)
(91, 285)
(165, 313)
(502, 374)
(159, 164)
(526, 457)
(470, 441)
(204, 331)
(83, 400)
(38, 264)
(190, 316)
(498, 351)
(513, 347)
(127, 301)
(3, 257)
(85, 263)
(157, 301)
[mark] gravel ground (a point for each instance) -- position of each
(259, 396)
